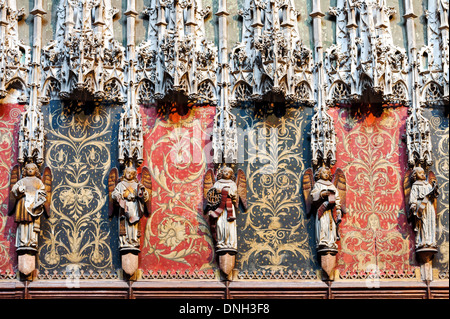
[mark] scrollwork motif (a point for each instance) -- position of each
(78, 152)
(275, 228)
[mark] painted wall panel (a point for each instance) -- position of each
(274, 233)
(9, 120)
(375, 233)
(80, 149)
(177, 151)
(439, 119)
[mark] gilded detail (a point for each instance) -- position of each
(78, 151)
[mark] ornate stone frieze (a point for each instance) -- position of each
(176, 61)
(433, 58)
(271, 63)
(15, 57)
(364, 65)
(84, 58)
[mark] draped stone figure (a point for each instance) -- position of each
(325, 198)
(130, 199)
(222, 201)
(131, 196)
(30, 198)
(423, 192)
(30, 194)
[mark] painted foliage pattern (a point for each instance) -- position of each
(274, 233)
(440, 135)
(80, 147)
(177, 151)
(375, 232)
(9, 118)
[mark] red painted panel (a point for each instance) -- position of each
(177, 152)
(375, 233)
(9, 119)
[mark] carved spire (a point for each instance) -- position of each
(364, 65)
(131, 138)
(323, 136)
(177, 62)
(31, 131)
(84, 58)
(15, 57)
(433, 58)
(225, 130)
(271, 63)
(418, 134)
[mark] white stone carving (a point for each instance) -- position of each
(31, 130)
(31, 136)
(433, 58)
(84, 58)
(418, 139)
(224, 142)
(323, 135)
(15, 57)
(271, 63)
(176, 62)
(364, 65)
(131, 138)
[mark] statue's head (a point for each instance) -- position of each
(129, 173)
(324, 173)
(418, 174)
(31, 169)
(226, 173)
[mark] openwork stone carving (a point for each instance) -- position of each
(433, 58)
(84, 58)
(271, 63)
(364, 64)
(15, 57)
(177, 58)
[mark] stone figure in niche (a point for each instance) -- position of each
(30, 197)
(421, 194)
(132, 198)
(222, 204)
(325, 197)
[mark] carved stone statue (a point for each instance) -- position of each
(421, 206)
(222, 202)
(133, 200)
(423, 193)
(29, 199)
(325, 198)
